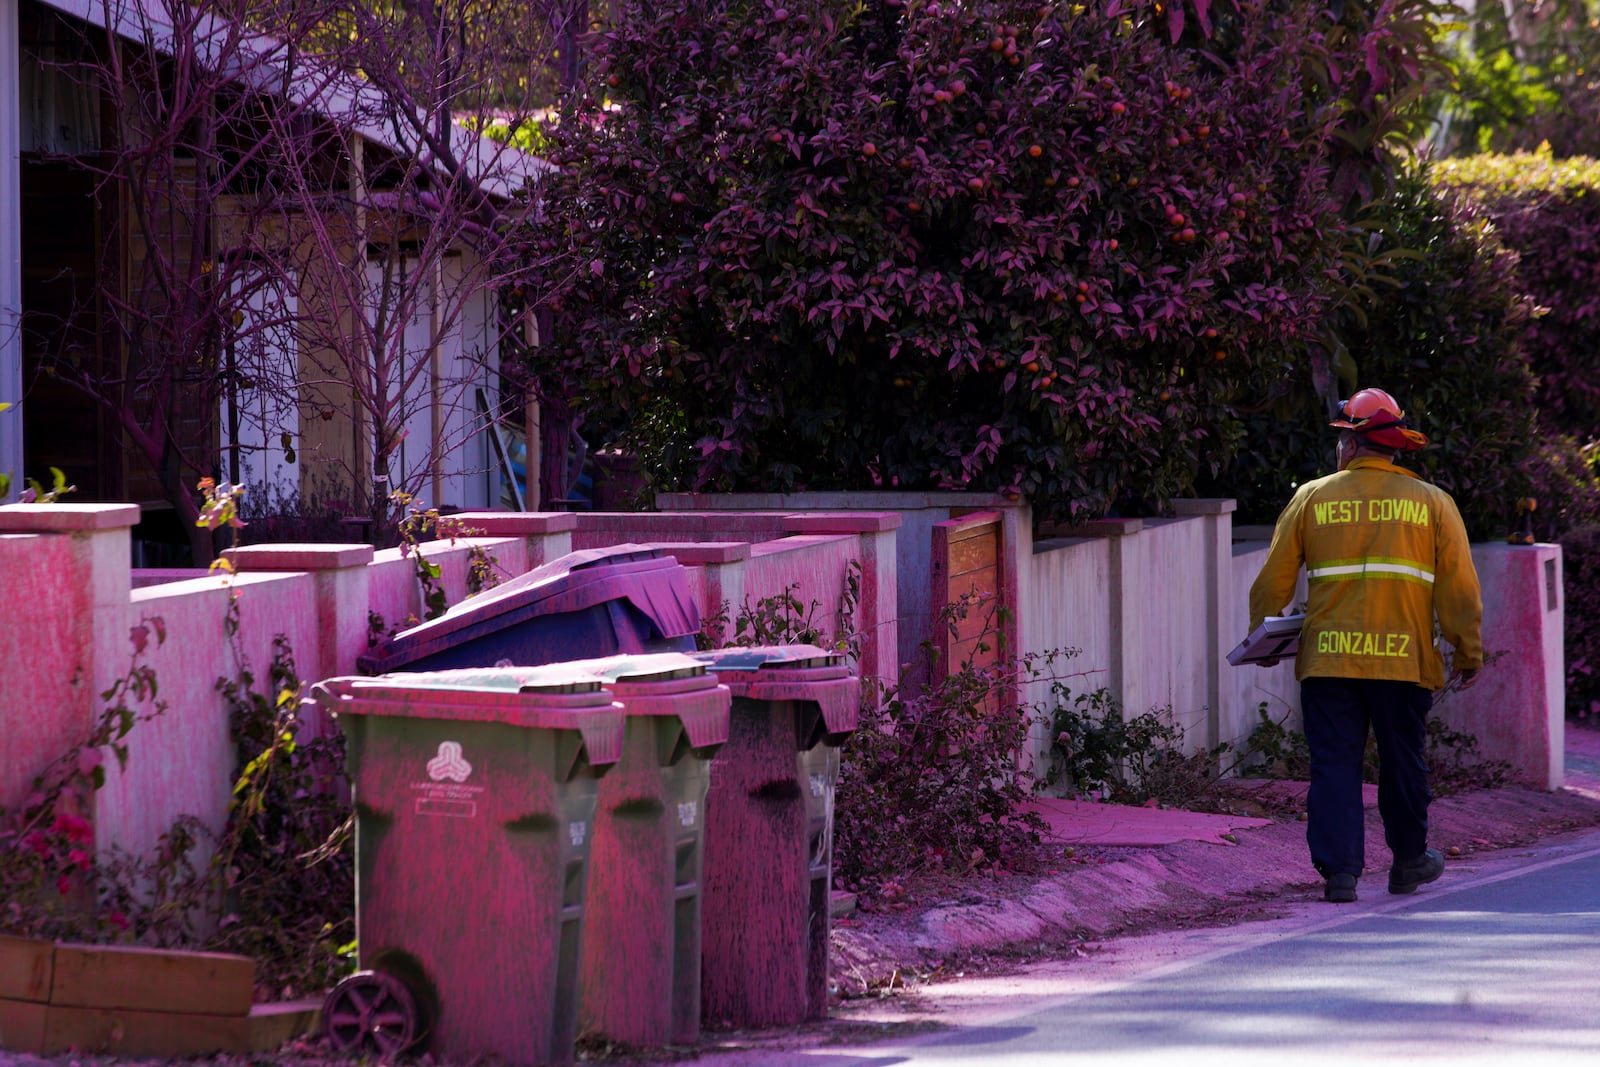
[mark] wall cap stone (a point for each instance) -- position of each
(66, 518)
(705, 552)
(291, 557)
(822, 522)
(1093, 528)
(1204, 506)
(842, 500)
(517, 523)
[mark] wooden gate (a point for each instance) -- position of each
(972, 623)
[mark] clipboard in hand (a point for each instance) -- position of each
(1277, 637)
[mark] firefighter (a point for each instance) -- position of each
(1385, 554)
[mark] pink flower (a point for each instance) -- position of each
(64, 885)
(76, 830)
(78, 858)
(36, 843)
(119, 920)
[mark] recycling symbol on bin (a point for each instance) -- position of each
(449, 764)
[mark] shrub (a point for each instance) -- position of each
(1581, 569)
(1560, 474)
(287, 859)
(1274, 751)
(1441, 329)
(929, 779)
(987, 245)
(1096, 750)
(1548, 211)
(1454, 763)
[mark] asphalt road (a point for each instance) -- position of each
(1498, 962)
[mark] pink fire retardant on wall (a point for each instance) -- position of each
(73, 606)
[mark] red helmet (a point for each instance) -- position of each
(1377, 417)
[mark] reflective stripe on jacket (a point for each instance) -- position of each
(1384, 552)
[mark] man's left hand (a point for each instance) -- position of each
(1464, 677)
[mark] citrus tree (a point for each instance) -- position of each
(1051, 250)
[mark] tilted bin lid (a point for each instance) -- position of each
(802, 673)
(553, 697)
(667, 683)
(655, 583)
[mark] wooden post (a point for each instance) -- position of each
(10, 245)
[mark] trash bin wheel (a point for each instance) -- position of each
(371, 1012)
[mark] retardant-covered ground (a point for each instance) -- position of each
(1099, 875)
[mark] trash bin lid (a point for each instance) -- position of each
(548, 678)
(667, 683)
(794, 672)
(551, 698)
(757, 657)
(645, 667)
(654, 582)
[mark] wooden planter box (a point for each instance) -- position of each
(136, 1002)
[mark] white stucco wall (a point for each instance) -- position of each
(1066, 604)
(1153, 606)
(1166, 638)
(1246, 688)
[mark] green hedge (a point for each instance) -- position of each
(1442, 330)
(1548, 212)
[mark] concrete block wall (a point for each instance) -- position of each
(1517, 711)
(183, 761)
(743, 558)
(1163, 622)
(1066, 607)
(1247, 688)
(916, 513)
(1151, 606)
(75, 600)
(65, 571)
(1141, 600)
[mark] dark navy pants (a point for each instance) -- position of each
(1337, 713)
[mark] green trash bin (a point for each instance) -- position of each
(769, 834)
(640, 971)
(475, 795)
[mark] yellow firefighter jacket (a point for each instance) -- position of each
(1384, 552)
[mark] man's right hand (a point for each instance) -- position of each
(1268, 662)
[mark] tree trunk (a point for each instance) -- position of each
(555, 430)
(202, 542)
